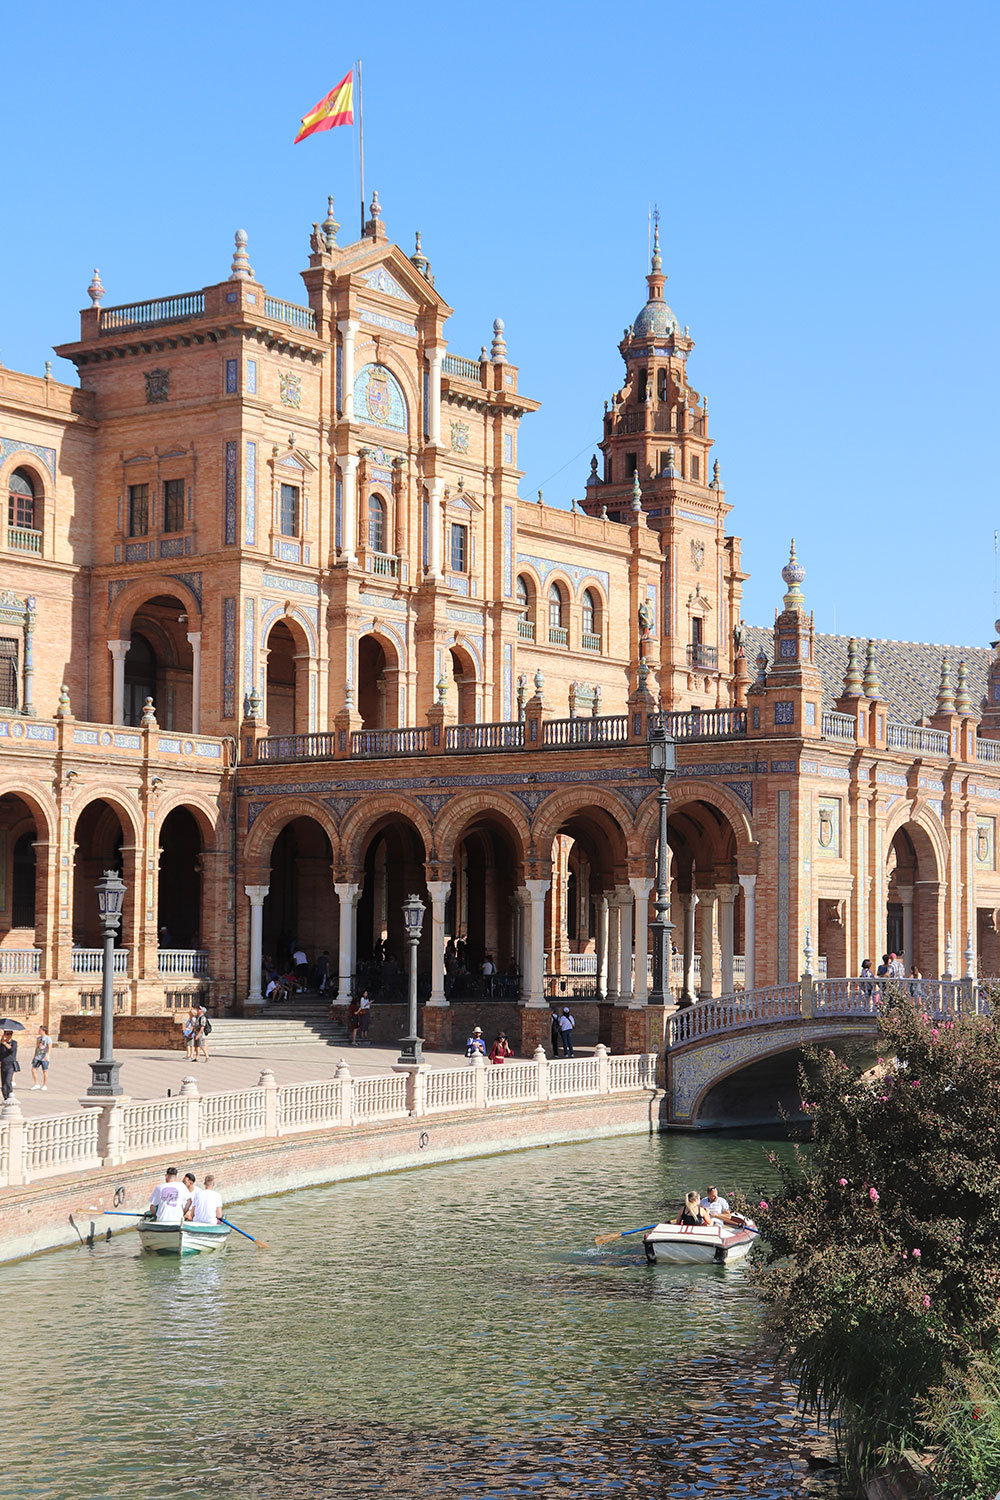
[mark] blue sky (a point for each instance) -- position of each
(826, 177)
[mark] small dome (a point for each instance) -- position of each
(655, 317)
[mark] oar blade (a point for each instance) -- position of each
(620, 1234)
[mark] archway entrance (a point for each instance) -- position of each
(393, 869)
(300, 909)
(159, 664)
(589, 907)
(913, 916)
(20, 902)
(481, 912)
(706, 902)
(282, 706)
(463, 673)
(378, 683)
(179, 889)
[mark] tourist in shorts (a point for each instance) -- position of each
(40, 1061)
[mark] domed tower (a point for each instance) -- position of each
(656, 431)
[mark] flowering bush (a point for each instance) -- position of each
(881, 1254)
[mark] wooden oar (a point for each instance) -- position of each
(120, 1213)
(259, 1243)
(619, 1234)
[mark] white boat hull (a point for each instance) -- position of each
(696, 1244)
(181, 1239)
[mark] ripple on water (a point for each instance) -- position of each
(448, 1332)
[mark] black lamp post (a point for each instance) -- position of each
(413, 920)
(104, 1072)
(662, 763)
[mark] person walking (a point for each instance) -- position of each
(9, 1064)
(189, 1030)
(475, 1046)
(40, 1061)
(202, 1027)
(501, 1049)
(354, 1018)
(566, 1026)
(364, 1016)
(556, 1033)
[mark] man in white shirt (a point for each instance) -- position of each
(717, 1207)
(207, 1203)
(170, 1199)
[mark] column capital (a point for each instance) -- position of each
(194, 636)
(438, 890)
(119, 649)
(748, 882)
(257, 893)
(641, 885)
(601, 901)
(348, 461)
(905, 894)
(537, 889)
(349, 327)
(727, 892)
(689, 900)
(347, 890)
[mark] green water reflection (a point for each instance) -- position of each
(448, 1332)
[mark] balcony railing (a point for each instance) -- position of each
(988, 751)
(290, 313)
(705, 724)
(558, 635)
(838, 726)
(465, 369)
(296, 747)
(503, 736)
(185, 961)
(526, 630)
(703, 658)
(915, 737)
(24, 539)
(145, 314)
(20, 963)
(383, 564)
(590, 642)
(609, 729)
(91, 960)
(366, 742)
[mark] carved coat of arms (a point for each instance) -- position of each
(290, 389)
(157, 385)
(698, 555)
(379, 398)
(983, 841)
(826, 828)
(460, 437)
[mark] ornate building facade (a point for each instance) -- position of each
(280, 640)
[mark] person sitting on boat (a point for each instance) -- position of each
(170, 1199)
(206, 1203)
(692, 1212)
(718, 1208)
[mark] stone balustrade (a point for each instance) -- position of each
(118, 1131)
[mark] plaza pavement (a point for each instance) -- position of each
(147, 1073)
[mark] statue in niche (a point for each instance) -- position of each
(645, 621)
(739, 637)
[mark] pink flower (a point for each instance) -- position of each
(763, 1206)
(934, 1033)
(916, 1255)
(884, 1099)
(873, 1194)
(927, 1300)
(915, 1083)
(843, 1182)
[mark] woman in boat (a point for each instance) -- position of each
(692, 1212)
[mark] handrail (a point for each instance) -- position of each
(474, 737)
(365, 742)
(145, 314)
(605, 729)
(465, 369)
(917, 737)
(706, 724)
(837, 726)
(290, 313)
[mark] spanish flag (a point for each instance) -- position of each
(337, 108)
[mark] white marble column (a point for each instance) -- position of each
(749, 884)
(349, 508)
(435, 488)
(435, 357)
(348, 331)
(689, 902)
(522, 901)
(906, 897)
(624, 896)
(611, 993)
(706, 900)
(194, 636)
(119, 651)
(257, 894)
(641, 887)
(727, 897)
(601, 943)
(347, 894)
(537, 891)
(438, 891)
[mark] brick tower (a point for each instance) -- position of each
(656, 441)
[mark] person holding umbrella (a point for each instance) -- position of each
(8, 1056)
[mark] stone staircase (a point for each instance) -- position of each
(294, 1024)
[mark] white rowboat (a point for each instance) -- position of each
(181, 1239)
(697, 1244)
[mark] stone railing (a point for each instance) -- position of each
(465, 369)
(24, 539)
(369, 742)
(774, 1002)
(915, 739)
(186, 961)
(606, 729)
(382, 564)
(20, 963)
(468, 737)
(114, 1133)
(526, 630)
(91, 961)
(290, 313)
(145, 314)
(836, 726)
(281, 747)
(704, 723)
(988, 751)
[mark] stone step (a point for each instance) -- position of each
(253, 1032)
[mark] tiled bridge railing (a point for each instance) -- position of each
(114, 1134)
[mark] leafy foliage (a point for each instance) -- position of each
(882, 1246)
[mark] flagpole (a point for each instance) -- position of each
(361, 149)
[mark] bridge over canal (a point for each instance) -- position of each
(735, 1061)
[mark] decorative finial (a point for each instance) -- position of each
(418, 258)
(376, 209)
(253, 704)
(48, 369)
(593, 477)
(636, 494)
(539, 682)
(604, 513)
(853, 686)
(871, 686)
(760, 662)
(95, 290)
(963, 702)
(63, 709)
(669, 467)
(540, 500)
(499, 349)
(442, 688)
(148, 715)
(793, 573)
(807, 952)
(716, 483)
(484, 355)
(330, 225)
(946, 694)
(656, 263)
(242, 269)
(643, 674)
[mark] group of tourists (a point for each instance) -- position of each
(476, 1047)
(359, 1014)
(9, 1064)
(174, 1201)
(708, 1210)
(196, 1028)
(891, 968)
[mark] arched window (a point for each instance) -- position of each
(376, 523)
(21, 506)
(591, 622)
(557, 632)
(522, 591)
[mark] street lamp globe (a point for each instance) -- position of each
(110, 899)
(413, 917)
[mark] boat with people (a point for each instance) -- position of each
(158, 1237)
(698, 1244)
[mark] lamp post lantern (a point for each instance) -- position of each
(413, 920)
(110, 899)
(662, 763)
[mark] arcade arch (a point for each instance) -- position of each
(914, 916)
(104, 839)
(392, 868)
(378, 682)
(299, 908)
(707, 902)
(179, 891)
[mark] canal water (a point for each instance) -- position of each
(451, 1332)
